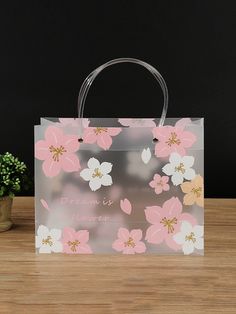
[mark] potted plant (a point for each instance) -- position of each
(13, 178)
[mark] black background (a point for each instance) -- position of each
(48, 48)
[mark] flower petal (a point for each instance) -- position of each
(200, 201)
(71, 143)
(106, 167)
(168, 169)
(155, 234)
(118, 245)
(177, 178)
(136, 234)
(172, 207)
(162, 149)
(104, 141)
(188, 247)
(164, 179)
(186, 227)
(93, 163)
(89, 136)
(161, 133)
(42, 150)
(189, 199)
(179, 149)
(140, 247)
(179, 238)
(128, 250)
(38, 241)
(175, 159)
(82, 236)
(187, 139)
(69, 234)
(188, 161)
(198, 181)
(146, 155)
(51, 168)
(106, 180)
(86, 174)
(57, 247)
(114, 131)
(70, 162)
(84, 249)
(123, 234)
(125, 122)
(53, 135)
(45, 204)
(187, 187)
(126, 206)
(158, 189)
(152, 184)
(198, 230)
(199, 244)
(43, 231)
(55, 234)
(154, 214)
(95, 184)
(189, 174)
(171, 243)
(188, 217)
(166, 187)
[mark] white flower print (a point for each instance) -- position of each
(47, 241)
(146, 155)
(179, 168)
(190, 237)
(97, 174)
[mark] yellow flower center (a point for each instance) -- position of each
(99, 130)
(47, 241)
(173, 139)
(73, 245)
(97, 173)
(180, 168)
(130, 243)
(197, 191)
(56, 152)
(190, 237)
(169, 223)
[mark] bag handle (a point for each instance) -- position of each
(91, 77)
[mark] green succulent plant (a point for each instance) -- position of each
(13, 175)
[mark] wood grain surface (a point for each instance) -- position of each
(104, 284)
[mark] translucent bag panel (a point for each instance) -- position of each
(108, 190)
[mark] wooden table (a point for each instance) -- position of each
(138, 284)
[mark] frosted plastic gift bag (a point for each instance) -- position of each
(119, 186)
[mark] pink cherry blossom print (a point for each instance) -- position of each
(166, 222)
(101, 136)
(172, 139)
(45, 204)
(129, 242)
(75, 242)
(135, 123)
(57, 151)
(126, 206)
(160, 183)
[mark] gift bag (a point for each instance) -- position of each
(119, 186)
